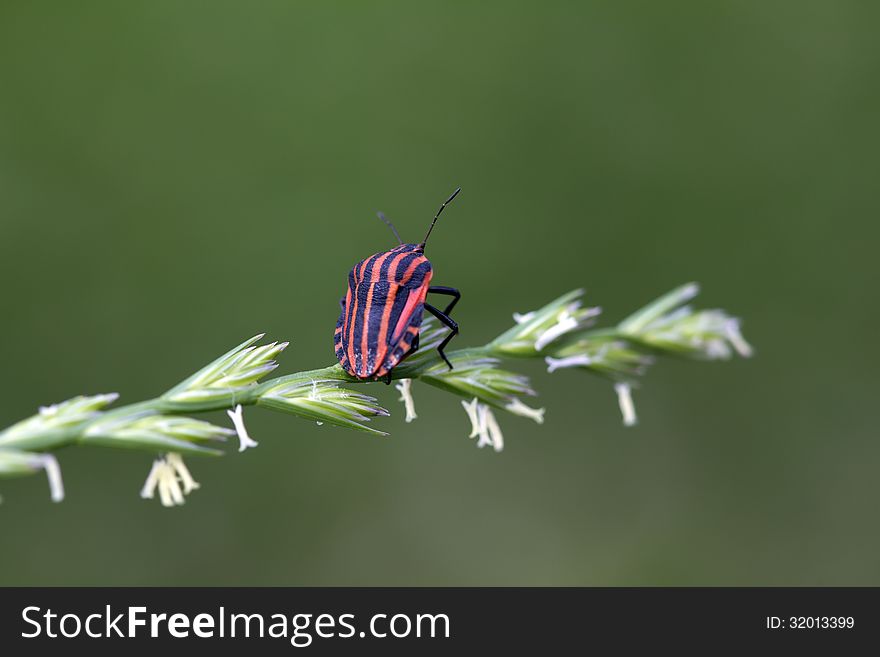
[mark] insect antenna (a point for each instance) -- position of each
(445, 203)
(388, 223)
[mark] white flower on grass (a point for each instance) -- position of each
(175, 460)
(517, 407)
(614, 358)
(522, 318)
(472, 408)
(404, 387)
(53, 473)
(170, 476)
(537, 329)
(49, 411)
(14, 462)
(627, 408)
(736, 339)
(490, 432)
(578, 360)
(564, 323)
(244, 440)
(484, 425)
(570, 319)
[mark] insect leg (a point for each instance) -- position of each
(450, 291)
(448, 322)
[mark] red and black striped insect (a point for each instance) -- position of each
(383, 307)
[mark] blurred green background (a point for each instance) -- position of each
(177, 176)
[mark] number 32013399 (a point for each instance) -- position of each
(811, 622)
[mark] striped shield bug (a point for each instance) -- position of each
(383, 307)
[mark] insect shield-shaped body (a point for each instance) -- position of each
(383, 307)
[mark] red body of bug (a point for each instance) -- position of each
(383, 307)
